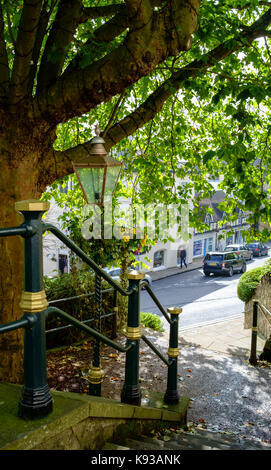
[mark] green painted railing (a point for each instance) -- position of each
(36, 400)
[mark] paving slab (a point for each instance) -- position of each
(227, 337)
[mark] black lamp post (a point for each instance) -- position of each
(98, 173)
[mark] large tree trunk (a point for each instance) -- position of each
(19, 177)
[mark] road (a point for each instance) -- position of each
(203, 299)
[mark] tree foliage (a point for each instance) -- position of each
(201, 114)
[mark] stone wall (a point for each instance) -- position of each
(263, 294)
(82, 422)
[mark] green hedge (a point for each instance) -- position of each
(70, 285)
(150, 320)
(248, 283)
(251, 279)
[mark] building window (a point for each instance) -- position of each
(197, 248)
(208, 219)
(209, 244)
(159, 259)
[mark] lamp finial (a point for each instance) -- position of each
(97, 130)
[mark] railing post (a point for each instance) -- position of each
(96, 373)
(253, 351)
(171, 395)
(36, 400)
(131, 392)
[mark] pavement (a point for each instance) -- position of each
(162, 273)
(226, 337)
(228, 395)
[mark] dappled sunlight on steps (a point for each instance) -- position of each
(199, 440)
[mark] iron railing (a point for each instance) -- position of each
(76, 298)
(36, 400)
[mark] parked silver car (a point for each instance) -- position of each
(241, 250)
(115, 273)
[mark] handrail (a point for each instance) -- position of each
(20, 230)
(87, 329)
(66, 299)
(65, 327)
(154, 298)
(155, 350)
(23, 322)
(70, 244)
(264, 308)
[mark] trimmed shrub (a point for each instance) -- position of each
(251, 279)
(150, 320)
(248, 283)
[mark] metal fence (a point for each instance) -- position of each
(36, 399)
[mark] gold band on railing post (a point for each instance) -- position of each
(95, 375)
(33, 302)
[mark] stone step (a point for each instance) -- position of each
(146, 444)
(112, 446)
(200, 440)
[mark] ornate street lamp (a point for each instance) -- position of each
(98, 173)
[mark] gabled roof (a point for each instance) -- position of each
(213, 203)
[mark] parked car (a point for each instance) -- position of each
(258, 249)
(115, 273)
(241, 250)
(221, 262)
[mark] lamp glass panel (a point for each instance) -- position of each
(92, 181)
(112, 174)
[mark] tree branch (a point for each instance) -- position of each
(76, 92)
(91, 13)
(42, 29)
(24, 48)
(67, 19)
(4, 66)
(114, 113)
(104, 34)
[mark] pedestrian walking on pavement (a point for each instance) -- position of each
(183, 257)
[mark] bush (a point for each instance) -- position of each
(248, 283)
(251, 279)
(151, 320)
(71, 285)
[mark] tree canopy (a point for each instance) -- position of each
(202, 112)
